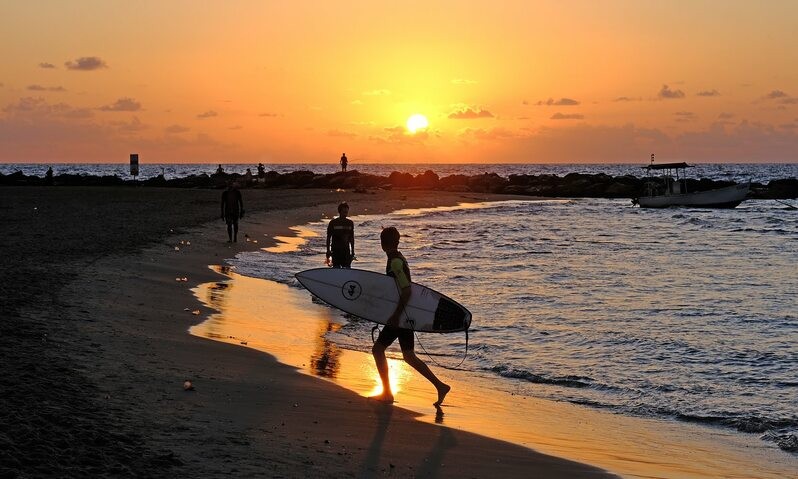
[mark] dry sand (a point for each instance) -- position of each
(95, 352)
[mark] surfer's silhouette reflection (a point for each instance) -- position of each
(325, 361)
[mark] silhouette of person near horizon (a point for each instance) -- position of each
(48, 176)
(344, 162)
(261, 171)
(220, 170)
(232, 210)
(341, 239)
(398, 268)
(248, 178)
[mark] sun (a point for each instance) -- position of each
(416, 122)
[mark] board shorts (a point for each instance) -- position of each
(341, 260)
(231, 219)
(389, 334)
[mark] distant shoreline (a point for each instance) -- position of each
(570, 185)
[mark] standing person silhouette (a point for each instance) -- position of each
(232, 210)
(398, 268)
(344, 162)
(341, 239)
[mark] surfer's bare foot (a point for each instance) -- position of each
(386, 398)
(443, 390)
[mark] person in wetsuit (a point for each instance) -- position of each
(398, 268)
(344, 162)
(232, 210)
(341, 239)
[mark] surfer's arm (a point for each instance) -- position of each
(329, 235)
(404, 297)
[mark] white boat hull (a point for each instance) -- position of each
(728, 197)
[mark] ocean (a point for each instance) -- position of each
(756, 172)
(684, 314)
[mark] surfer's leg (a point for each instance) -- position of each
(378, 351)
(409, 355)
(235, 231)
(229, 232)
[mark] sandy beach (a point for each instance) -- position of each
(98, 352)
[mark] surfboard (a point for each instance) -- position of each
(374, 296)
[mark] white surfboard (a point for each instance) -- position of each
(374, 296)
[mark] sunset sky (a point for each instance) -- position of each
(498, 81)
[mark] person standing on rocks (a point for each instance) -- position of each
(344, 162)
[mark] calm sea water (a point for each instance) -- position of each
(687, 314)
(761, 173)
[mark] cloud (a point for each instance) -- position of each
(236, 127)
(666, 93)
(134, 125)
(341, 134)
(42, 88)
(381, 92)
(468, 113)
(174, 129)
(46, 65)
(775, 94)
(398, 135)
(560, 102)
(207, 114)
(684, 116)
(627, 98)
(122, 104)
(38, 109)
(789, 101)
(491, 134)
(708, 93)
(86, 64)
(269, 115)
(462, 81)
(725, 116)
(357, 102)
(570, 116)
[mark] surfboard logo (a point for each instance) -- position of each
(351, 290)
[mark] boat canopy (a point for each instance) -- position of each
(666, 166)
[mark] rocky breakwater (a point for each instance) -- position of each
(572, 185)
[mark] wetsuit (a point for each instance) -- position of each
(398, 269)
(340, 235)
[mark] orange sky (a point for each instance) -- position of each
(499, 81)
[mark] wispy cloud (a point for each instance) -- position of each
(123, 104)
(341, 134)
(684, 116)
(666, 93)
(46, 65)
(781, 97)
(725, 116)
(86, 64)
(46, 88)
(712, 92)
(627, 98)
(775, 94)
(174, 129)
(381, 92)
(269, 115)
(236, 127)
(468, 113)
(38, 108)
(207, 114)
(132, 126)
(560, 102)
(569, 116)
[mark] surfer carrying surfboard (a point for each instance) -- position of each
(398, 268)
(341, 239)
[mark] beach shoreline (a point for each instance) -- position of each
(118, 323)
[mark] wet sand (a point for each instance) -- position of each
(96, 352)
